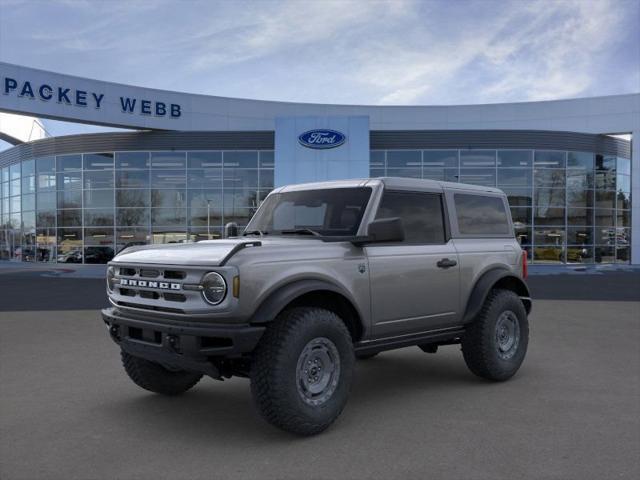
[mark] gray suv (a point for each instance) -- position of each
(324, 274)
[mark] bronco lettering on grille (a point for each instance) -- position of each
(129, 282)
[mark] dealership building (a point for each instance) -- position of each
(192, 163)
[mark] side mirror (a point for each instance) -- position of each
(231, 230)
(385, 230)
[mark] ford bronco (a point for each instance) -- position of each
(324, 274)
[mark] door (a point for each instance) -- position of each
(414, 283)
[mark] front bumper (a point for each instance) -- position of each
(180, 345)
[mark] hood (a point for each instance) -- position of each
(206, 253)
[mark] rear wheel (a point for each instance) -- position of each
(302, 370)
(495, 343)
(156, 378)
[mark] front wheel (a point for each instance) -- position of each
(156, 378)
(495, 343)
(302, 369)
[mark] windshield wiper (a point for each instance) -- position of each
(254, 232)
(301, 231)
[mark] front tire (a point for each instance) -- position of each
(495, 343)
(156, 378)
(302, 370)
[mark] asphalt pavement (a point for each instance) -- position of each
(68, 411)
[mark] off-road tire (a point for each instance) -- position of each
(480, 345)
(155, 378)
(275, 383)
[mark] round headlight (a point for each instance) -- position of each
(214, 288)
(111, 275)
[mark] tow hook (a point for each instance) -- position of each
(114, 331)
(174, 343)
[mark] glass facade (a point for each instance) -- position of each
(567, 207)
(83, 208)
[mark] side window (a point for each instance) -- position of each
(421, 214)
(481, 215)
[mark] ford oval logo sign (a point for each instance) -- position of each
(322, 138)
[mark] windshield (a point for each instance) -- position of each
(327, 212)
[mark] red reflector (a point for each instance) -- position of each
(525, 271)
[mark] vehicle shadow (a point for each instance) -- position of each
(224, 412)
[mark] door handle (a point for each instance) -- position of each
(446, 263)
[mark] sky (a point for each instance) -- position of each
(395, 52)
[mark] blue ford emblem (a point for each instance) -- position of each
(322, 138)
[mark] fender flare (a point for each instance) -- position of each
(484, 285)
(282, 296)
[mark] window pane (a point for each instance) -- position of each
(582, 160)
(523, 234)
(129, 237)
(623, 254)
(376, 172)
(69, 162)
(579, 254)
(481, 214)
(549, 159)
(267, 159)
(515, 158)
(578, 197)
(28, 168)
(266, 179)
(548, 254)
(204, 159)
(440, 158)
(70, 218)
(624, 218)
(70, 180)
(404, 158)
(169, 217)
(98, 254)
(478, 176)
(605, 217)
(605, 163)
(623, 183)
(234, 177)
(521, 216)
(580, 178)
(28, 184)
(580, 236)
(133, 216)
(546, 197)
(549, 178)
(70, 199)
(132, 160)
(441, 174)
(168, 198)
(29, 202)
(518, 197)
(240, 159)
(45, 165)
(168, 179)
(421, 215)
(605, 254)
(623, 166)
(70, 245)
(46, 201)
(202, 216)
(477, 158)
(605, 199)
(204, 198)
(98, 199)
(605, 180)
(605, 235)
(132, 179)
(514, 176)
(46, 181)
(548, 216)
(132, 198)
(580, 216)
(404, 172)
(98, 217)
(205, 178)
(98, 179)
(198, 234)
(549, 236)
(98, 161)
(376, 159)
(168, 159)
(46, 219)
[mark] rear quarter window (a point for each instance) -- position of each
(481, 215)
